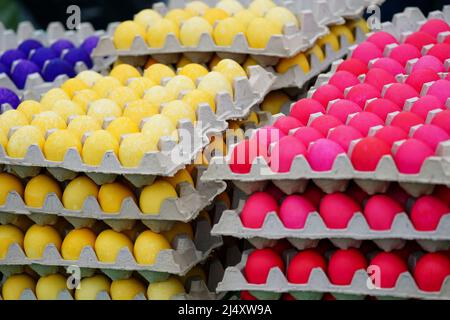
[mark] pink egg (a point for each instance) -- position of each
(322, 153)
(399, 93)
(314, 194)
(343, 80)
(410, 156)
(342, 108)
(344, 264)
(243, 156)
(429, 62)
(378, 78)
(259, 263)
(306, 135)
(390, 134)
(324, 123)
(364, 120)
(256, 208)
(426, 213)
(390, 266)
(405, 120)
(418, 78)
(327, 93)
(304, 108)
(353, 66)
(294, 211)
(368, 152)
(337, 209)
(398, 194)
(361, 93)
(366, 51)
(435, 26)
(343, 135)
(431, 135)
(390, 65)
(424, 105)
(442, 193)
(441, 90)
(442, 120)
(356, 193)
(267, 135)
(381, 39)
(431, 271)
(440, 51)
(380, 212)
(382, 107)
(420, 39)
(404, 52)
(284, 152)
(287, 123)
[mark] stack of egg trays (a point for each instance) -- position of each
(10, 39)
(361, 285)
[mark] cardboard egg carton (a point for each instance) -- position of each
(361, 285)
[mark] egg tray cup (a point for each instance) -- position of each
(361, 285)
(10, 39)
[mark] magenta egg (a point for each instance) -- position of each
(426, 213)
(324, 123)
(440, 51)
(390, 134)
(327, 93)
(431, 135)
(256, 208)
(429, 62)
(366, 51)
(342, 108)
(389, 266)
(361, 93)
(405, 120)
(404, 52)
(294, 211)
(284, 152)
(390, 65)
(378, 78)
(287, 123)
(344, 135)
(343, 80)
(380, 211)
(441, 90)
(354, 66)
(424, 105)
(382, 107)
(420, 39)
(363, 121)
(337, 209)
(306, 135)
(419, 77)
(381, 39)
(399, 93)
(435, 26)
(322, 154)
(304, 108)
(442, 120)
(411, 155)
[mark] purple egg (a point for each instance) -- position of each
(3, 69)
(8, 96)
(61, 45)
(89, 44)
(56, 67)
(21, 70)
(11, 55)
(41, 55)
(77, 54)
(28, 45)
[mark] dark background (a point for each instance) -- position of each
(101, 12)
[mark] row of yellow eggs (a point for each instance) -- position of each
(258, 23)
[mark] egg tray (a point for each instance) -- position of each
(361, 285)
(10, 39)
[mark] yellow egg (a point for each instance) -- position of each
(58, 143)
(126, 32)
(67, 108)
(9, 234)
(83, 124)
(111, 196)
(360, 23)
(3, 139)
(329, 39)
(158, 95)
(48, 120)
(84, 97)
(104, 85)
(89, 77)
(299, 60)
(53, 95)
(96, 145)
(343, 31)
(9, 183)
(158, 126)
(164, 290)
(12, 118)
(73, 85)
(230, 6)
(196, 273)
(274, 101)
(37, 189)
(121, 126)
(248, 63)
(156, 72)
(197, 8)
(192, 29)
(181, 176)
(148, 246)
(22, 139)
(90, 287)
(123, 72)
(122, 95)
(77, 191)
(244, 17)
(140, 85)
(152, 196)
(215, 83)
(193, 71)
(158, 32)
(16, 284)
(179, 228)
(197, 96)
(104, 108)
(317, 52)
(29, 108)
(75, 241)
(50, 287)
(140, 109)
(214, 61)
(259, 32)
(126, 289)
(215, 14)
(230, 69)
(178, 84)
(226, 30)
(133, 148)
(177, 110)
(282, 16)
(147, 17)
(109, 243)
(178, 16)
(261, 7)
(37, 238)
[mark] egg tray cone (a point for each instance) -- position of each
(10, 39)
(361, 285)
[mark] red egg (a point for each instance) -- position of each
(367, 153)
(327, 93)
(380, 212)
(342, 108)
(343, 265)
(245, 295)
(322, 153)
(306, 135)
(387, 268)
(356, 193)
(381, 39)
(287, 123)
(244, 154)
(378, 78)
(431, 271)
(390, 134)
(267, 135)
(435, 26)
(429, 62)
(397, 193)
(431, 135)
(411, 155)
(442, 120)
(440, 51)
(441, 90)
(366, 51)
(382, 107)
(405, 52)
(343, 80)
(361, 93)
(337, 209)
(399, 93)
(259, 263)
(390, 65)
(420, 39)
(443, 193)
(304, 108)
(405, 120)
(418, 78)
(426, 213)
(302, 264)
(256, 208)
(314, 194)
(343, 135)
(284, 152)
(274, 191)
(353, 66)
(424, 105)
(294, 211)
(324, 123)
(363, 121)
